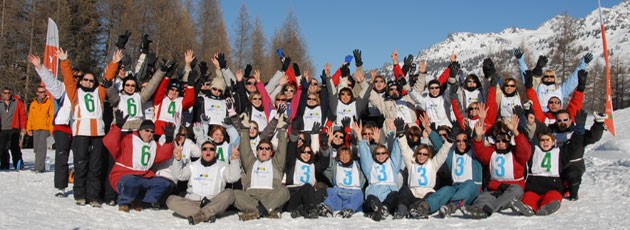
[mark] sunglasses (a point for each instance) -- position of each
(218, 90)
(434, 87)
(207, 84)
(554, 102)
(461, 141)
(423, 154)
(130, 85)
(502, 141)
(6, 92)
(473, 108)
(379, 81)
(301, 139)
(308, 152)
(338, 136)
(181, 134)
(149, 130)
(549, 76)
(212, 149)
(312, 99)
(289, 90)
(281, 99)
(545, 139)
(314, 83)
(381, 153)
(256, 98)
(510, 86)
(367, 134)
(264, 148)
(344, 94)
(564, 120)
(41, 91)
(251, 83)
(172, 89)
(253, 127)
(88, 80)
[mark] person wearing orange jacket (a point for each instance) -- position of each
(39, 125)
(88, 128)
(12, 124)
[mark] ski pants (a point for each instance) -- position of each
(462, 192)
(493, 201)
(343, 198)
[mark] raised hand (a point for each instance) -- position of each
(215, 61)
(359, 76)
(144, 47)
(395, 56)
(582, 75)
(248, 70)
(120, 119)
(235, 153)
(529, 79)
(517, 53)
(357, 57)
(188, 57)
(257, 75)
(166, 65)
(239, 75)
(540, 64)
(281, 109)
(345, 122)
(357, 128)
(517, 110)
(400, 126)
(229, 103)
(483, 111)
(479, 129)
(177, 151)
(169, 131)
(35, 61)
(122, 40)
(588, 58)
(61, 54)
(222, 61)
(285, 63)
(488, 67)
(423, 67)
(425, 120)
(316, 127)
(296, 69)
(454, 67)
(512, 124)
(327, 70)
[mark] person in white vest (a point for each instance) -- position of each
(263, 194)
(343, 103)
(190, 152)
(88, 128)
(134, 154)
(206, 196)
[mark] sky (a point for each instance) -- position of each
(332, 29)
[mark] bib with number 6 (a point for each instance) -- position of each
(143, 154)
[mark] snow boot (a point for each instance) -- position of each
(275, 214)
(61, 193)
(447, 210)
(311, 213)
(80, 202)
(419, 210)
(123, 208)
(345, 213)
(251, 215)
(95, 204)
(474, 212)
(518, 206)
(549, 208)
(401, 212)
(324, 210)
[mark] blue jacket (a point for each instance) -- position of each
(367, 162)
(477, 168)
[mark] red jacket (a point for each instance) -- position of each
(160, 93)
(121, 148)
(521, 154)
(19, 115)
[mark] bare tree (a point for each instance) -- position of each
(243, 39)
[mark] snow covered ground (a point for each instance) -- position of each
(27, 202)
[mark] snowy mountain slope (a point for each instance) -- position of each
(27, 202)
(473, 48)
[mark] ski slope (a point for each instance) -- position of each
(27, 202)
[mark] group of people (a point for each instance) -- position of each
(199, 142)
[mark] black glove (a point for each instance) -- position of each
(150, 59)
(400, 126)
(285, 64)
(357, 57)
(402, 81)
(518, 110)
(172, 70)
(542, 61)
(248, 71)
(122, 40)
(169, 131)
(120, 119)
(345, 71)
(229, 103)
(192, 77)
(582, 75)
(296, 69)
(323, 139)
(529, 79)
(518, 53)
(222, 61)
(580, 118)
(488, 67)
(316, 127)
(408, 60)
(203, 68)
(193, 63)
(588, 58)
(281, 109)
(144, 47)
(346, 122)
(454, 88)
(166, 65)
(304, 84)
(454, 67)
(106, 83)
(126, 61)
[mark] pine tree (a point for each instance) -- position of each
(211, 30)
(259, 51)
(243, 39)
(290, 40)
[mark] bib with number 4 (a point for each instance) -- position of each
(546, 163)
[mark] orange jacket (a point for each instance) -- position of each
(40, 115)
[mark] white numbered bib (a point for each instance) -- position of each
(344, 111)
(311, 116)
(206, 181)
(382, 173)
(348, 177)
(303, 173)
(422, 175)
(260, 118)
(131, 106)
(502, 166)
(462, 167)
(508, 103)
(470, 97)
(143, 154)
(170, 110)
(223, 152)
(89, 104)
(546, 163)
(404, 112)
(215, 109)
(262, 175)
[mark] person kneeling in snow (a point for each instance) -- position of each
(206, 195)
(135, 153)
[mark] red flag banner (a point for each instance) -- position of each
(610, 124)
